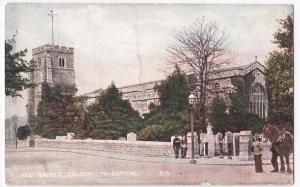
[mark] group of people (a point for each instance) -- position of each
(180, 145)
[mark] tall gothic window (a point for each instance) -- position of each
(258, 101)
(61, 62)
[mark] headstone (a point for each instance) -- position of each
(211, 145)
(70, 136)
(209, 129)
(210, 141)
(236, 143)
(131, 136)
(61, 137)
(205, 145)
(36, 137)
(189, 144)
(219, 144)
(201, 146)
(228, 143)
(245, 143)
(122, 138)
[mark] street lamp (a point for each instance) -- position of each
(192, 101)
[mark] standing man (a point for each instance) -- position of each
(183, 145)
(176, 146)
(257, 150)
(274, 159)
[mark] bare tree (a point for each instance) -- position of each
(199, 50)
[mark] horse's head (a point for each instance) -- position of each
(271, 132)
(267, 130)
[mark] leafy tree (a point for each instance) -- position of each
(174, 92)
(280, 76)
(238, 118)
(170, 117)
(23, 132)
(111, 117)
(59, 112)
(15, 69)
(219, 118)
(240, 99)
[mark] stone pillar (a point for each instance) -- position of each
(189, 145)
(245, 143)
(211, 145)
(228, 143)
(211, 141)
(201, 146)
(236, 143)
(219, 142)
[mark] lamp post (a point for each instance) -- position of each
(192, 99)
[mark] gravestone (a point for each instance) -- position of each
(219, 144)
(189, 144)
(61, 137)
(205, 146)
(210, 141)
(131, 137)
(209, 129)
(236, 143)
(228, 143)
(70, 136)
(245, 143)
(201, 146)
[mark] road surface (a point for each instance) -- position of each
(44, 167)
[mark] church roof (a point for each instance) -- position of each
(217, 74)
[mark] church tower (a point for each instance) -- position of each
(53, 64)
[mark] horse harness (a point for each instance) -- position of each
(282, 135)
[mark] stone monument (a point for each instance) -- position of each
(131, 137)
(245, 143)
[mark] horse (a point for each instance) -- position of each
(282, 141)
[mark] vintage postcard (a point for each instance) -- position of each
(128, 93)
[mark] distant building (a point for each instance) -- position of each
(142, 95)
(53, 64)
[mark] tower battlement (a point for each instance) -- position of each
(52, 48)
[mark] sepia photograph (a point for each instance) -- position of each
(100, 93)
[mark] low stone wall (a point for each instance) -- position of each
(146, 148)
(11, 144)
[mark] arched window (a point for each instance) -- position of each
(61, 62)
(258, 101)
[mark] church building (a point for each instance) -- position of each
(142, 95)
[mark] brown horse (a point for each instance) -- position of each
(282, 142)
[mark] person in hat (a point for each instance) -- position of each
(176, 146)
(257, 151)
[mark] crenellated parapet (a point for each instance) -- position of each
(52, 48)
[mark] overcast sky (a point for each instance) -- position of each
(106, 37)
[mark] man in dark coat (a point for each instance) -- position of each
(274, 159)
(176, 146)
(183, 145)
